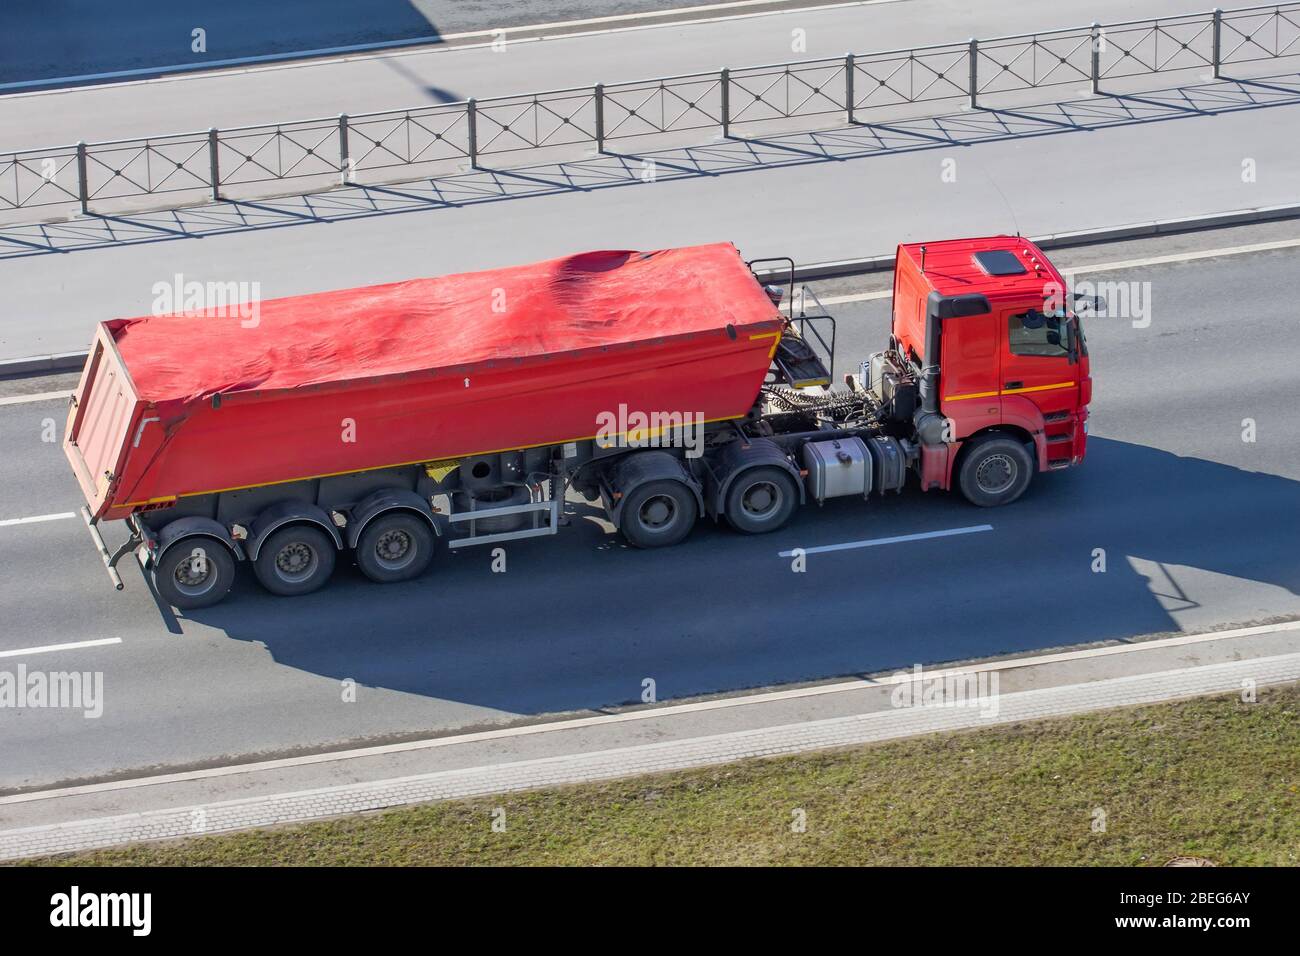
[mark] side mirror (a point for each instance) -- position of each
(1095, 303)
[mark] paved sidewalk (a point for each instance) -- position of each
(850, 730)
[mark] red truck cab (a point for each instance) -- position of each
(999, 356)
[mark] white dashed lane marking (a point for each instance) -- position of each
(36, 519)
(896, 539)
(51, 648)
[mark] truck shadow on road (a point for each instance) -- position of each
(580, 621)
(736, 154)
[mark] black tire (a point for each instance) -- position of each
(995, 470)
(295, 560)
(504, 496)
(761, 500)
(658, 514)
(396, 546)
(189, 586)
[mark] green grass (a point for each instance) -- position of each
(1210, 777)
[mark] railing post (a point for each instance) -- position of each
(471, 128)
(1096, 57)
(599, 91)
(83, 182)
(344, 158)
(214, 167)
(848, 88)
(1217, 41)
(974, 71)
(725, 88)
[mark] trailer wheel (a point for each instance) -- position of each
(761, 500)
(396, 546)
(295, 560)
(194, 572)
(658, 514)
(995, 470)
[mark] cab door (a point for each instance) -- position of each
(969, 382)
(1040, 371)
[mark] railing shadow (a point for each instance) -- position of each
(612, 168)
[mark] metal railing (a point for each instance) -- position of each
(387, 146)
(395, 139)
(674, 104)
(896, 77)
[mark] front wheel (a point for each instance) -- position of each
(658, 514)
(295, 560)
(194, 572)
(995, 470)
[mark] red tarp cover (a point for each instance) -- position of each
(577, 302)
(570, 342)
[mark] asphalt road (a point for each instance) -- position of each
(89, 37)
(1198, 526)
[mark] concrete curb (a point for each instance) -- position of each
(73, 361)
(42, 364)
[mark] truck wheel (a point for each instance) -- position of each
(295, 560)
(396, 546)
(658, 514)
(194, 572)
(995, 471)
(761, 500)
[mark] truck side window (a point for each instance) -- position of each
(1036, 333)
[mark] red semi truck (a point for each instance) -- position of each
(664, 385)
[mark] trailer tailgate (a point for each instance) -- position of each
(104, 409)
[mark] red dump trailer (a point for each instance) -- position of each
(341, 382)
(375, 421)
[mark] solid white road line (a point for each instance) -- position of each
(1184, 256)
(856, 297)
(51, 648)
(1109, 266)
(35, 397)
(897, 539)
(35, 518)
(661, 14)
(652, 713)
(341, 54)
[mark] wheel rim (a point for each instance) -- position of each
(996, 474)
(394, 549)
(657, 512)
(195, 575)
(296, 562)
(762, 500)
